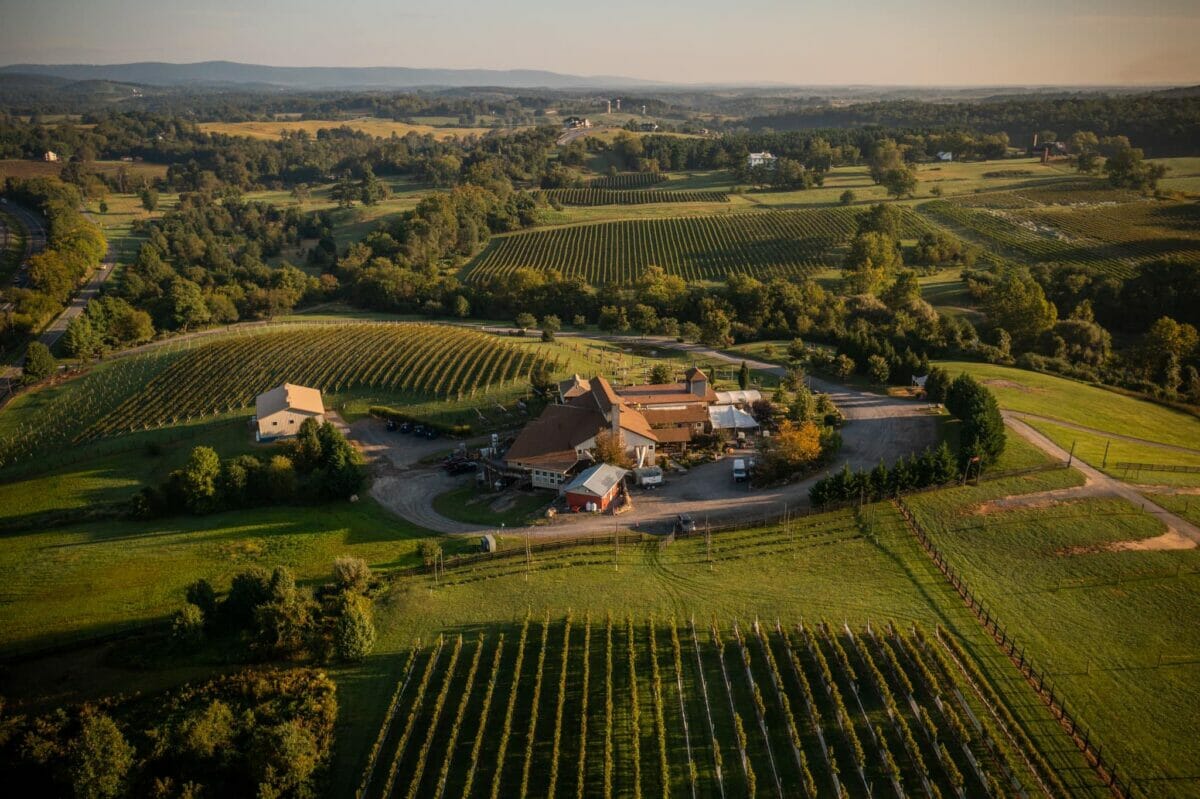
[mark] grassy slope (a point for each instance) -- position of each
(1083, 404)
(136, 572)
(1097, 621)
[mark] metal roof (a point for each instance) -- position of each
(597, 480)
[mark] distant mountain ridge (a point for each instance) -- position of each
(229, 73)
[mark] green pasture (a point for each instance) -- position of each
(83, 580)
(1114, 630)
(1071, 401)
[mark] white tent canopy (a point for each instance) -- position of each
(727, 417)
(745, 397)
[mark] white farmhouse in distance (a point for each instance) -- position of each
(760, 159)
(280, 411)
(50, 155)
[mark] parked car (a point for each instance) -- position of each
(740, 472)
(418, 430)
(431, 433)
(390, 424)
(406, 427)
(684, 523)
(461, 467)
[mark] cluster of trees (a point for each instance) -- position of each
(199, 161)
(981, 435)
(107, 323)
(265, 733)
(319, 465)
(933, 467)
(74, 247)
(206, 263)
(1163, 124)
(1154, 311)
(795, 449)
(274, 619)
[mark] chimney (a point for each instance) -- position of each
(615, 417)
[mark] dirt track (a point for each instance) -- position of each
(1098, 484)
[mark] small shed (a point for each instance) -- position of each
(487, 543)
(49, 155)
(595, 488)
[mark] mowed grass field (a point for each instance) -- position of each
(88, 579)
(1098, 410)
(370, 125)
(1114, 629)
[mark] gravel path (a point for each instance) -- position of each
(1096, 484)
(1103, 433)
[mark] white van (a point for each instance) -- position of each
(739, 470)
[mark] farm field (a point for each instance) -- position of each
(835, 566)
(631, 707)
(24, 168)
(1113, 627)
(99, 474)
(1106, 453)
(763, 244)
(185, 381)
(1078, 403)
(1077, 222)
(625, 197)
(371, 125)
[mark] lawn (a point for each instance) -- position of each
(1083, 404)
(134, 572)
(1115, 629)
(1104, 452)
(474, 505)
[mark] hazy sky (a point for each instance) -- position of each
(788, 41)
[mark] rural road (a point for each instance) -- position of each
(1097, 483)
(35, 239)
(877, 428)
(55, 330)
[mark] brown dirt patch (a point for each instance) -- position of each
(1170, 540)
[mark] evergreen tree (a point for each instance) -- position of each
(354, 631)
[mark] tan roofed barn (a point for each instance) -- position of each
(280, 411)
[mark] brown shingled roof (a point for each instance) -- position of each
(688, 414)
(558, 430)
(665, 394)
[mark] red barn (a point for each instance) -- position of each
(596, 487)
